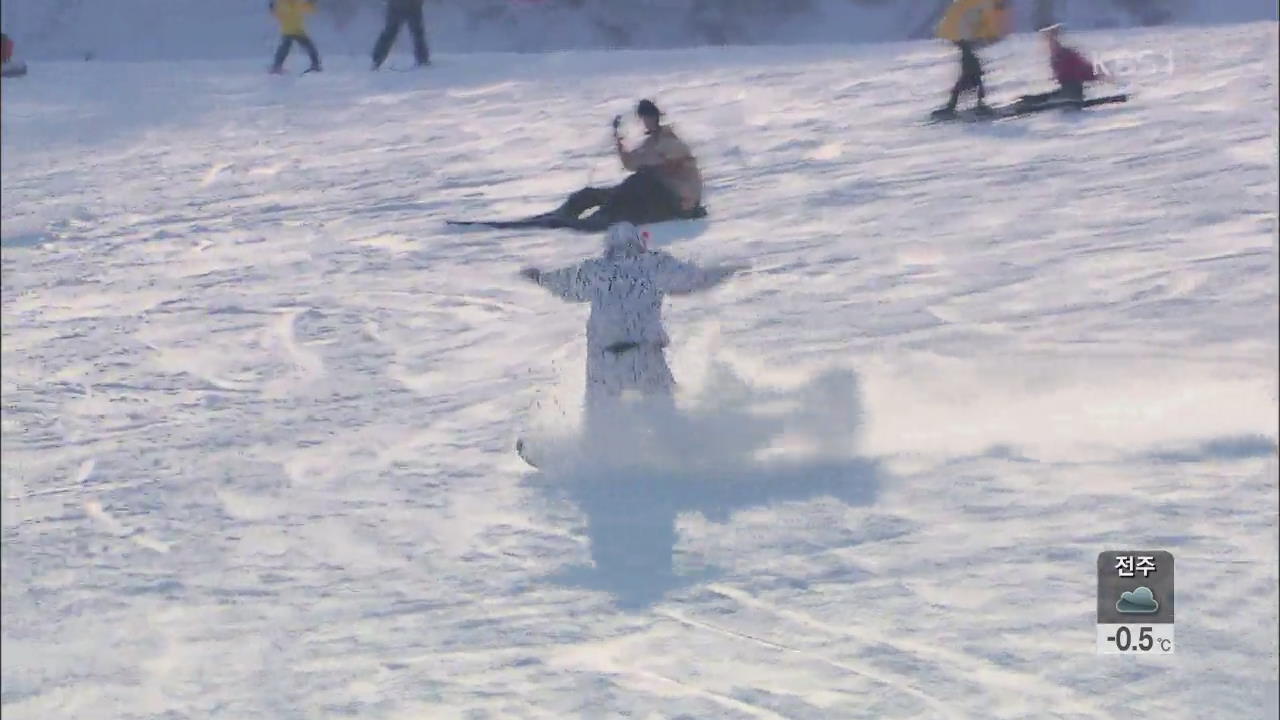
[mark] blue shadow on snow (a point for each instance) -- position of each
(631, 506)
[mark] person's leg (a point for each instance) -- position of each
(1037, 98)
(954, 98)
(653, 376)
(671, 432)
(312, 52)
(388, 36)
(641, 369)
(971, 72)
(282, 52)
(964, 82)
(597, 221)
(660, 203)
(602, 402)
(582, 201)
(420, 54)
(1071, 91)
(665, 204)
(643, 198)
(1065, 92)
(958, 87)
(615, 206)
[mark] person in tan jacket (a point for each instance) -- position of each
(665, 183)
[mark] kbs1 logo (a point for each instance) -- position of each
(1122, 64)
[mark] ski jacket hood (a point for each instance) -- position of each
(624, 240)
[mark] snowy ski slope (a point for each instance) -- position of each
(258, 403)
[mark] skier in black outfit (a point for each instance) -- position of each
(970, 79)
(402, 12)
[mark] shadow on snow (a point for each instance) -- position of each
(710, 459)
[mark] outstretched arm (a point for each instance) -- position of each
(676, 277)
(566, 283)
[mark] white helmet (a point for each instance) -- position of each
(625, 239)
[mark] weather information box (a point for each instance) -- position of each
(1135, 602)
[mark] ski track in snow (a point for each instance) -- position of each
(259, 402)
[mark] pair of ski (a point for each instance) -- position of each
(545, 220)
(1018, 109)
(548, 221)
(556, 221)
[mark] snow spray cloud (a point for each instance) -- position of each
(723, 418)
(736, 441)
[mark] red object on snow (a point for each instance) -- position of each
(6, 48)
(1070, 66)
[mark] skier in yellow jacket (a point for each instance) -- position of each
(971, 24)
(292, 17)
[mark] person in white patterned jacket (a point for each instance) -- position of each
(626, 341)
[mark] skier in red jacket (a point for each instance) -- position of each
(10, 67)
(1070, 69)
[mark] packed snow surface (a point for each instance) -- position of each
(259, 403)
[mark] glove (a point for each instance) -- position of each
(532, 274)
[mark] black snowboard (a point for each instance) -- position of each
(1016, 109)
(1013, 110)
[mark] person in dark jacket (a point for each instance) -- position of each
(1070, 69)
(665, 183)
(402, 12)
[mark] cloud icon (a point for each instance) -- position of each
(1141, 600)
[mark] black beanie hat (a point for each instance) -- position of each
(647, 108)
